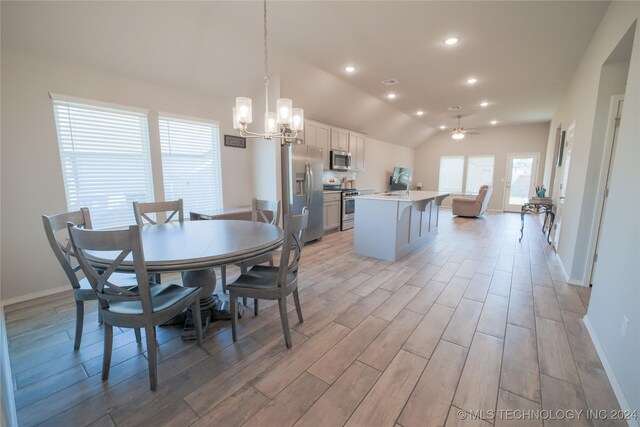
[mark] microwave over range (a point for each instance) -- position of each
(340, 160)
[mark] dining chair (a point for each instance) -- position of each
(260, 210)
(142, 209)
(55, 227)
(143, 306)
(274, 283)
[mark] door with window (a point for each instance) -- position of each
(520, 181)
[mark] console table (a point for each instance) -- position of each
(537, 207)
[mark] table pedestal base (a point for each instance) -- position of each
(211, 306)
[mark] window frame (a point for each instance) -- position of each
(462, 178)
(466, 174)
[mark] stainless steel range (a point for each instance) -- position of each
(348, 211)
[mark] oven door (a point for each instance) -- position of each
(348, 213)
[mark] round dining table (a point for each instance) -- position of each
(195, 247)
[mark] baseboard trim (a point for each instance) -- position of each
(33, 295)
(568, 279)
(622, 400)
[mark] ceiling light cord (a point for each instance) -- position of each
(266, 60)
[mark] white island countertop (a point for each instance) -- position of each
(402, 196)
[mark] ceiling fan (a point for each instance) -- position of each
(459, 132)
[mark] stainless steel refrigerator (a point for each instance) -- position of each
(302, 185)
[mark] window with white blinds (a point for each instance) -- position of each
(451, 174)
(479, 172)
(106, 163)
(191, 163)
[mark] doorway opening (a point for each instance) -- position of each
(522, 172)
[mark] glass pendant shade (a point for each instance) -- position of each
(284, 107)
(297, 119)
(458, 135)
(270, 122)
(236, 123)
(243, 110)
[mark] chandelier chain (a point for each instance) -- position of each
(266, 47)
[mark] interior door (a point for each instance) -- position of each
(562, 190)
(520, 182)
(615, 115)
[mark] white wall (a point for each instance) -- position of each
(497, 141)
(580, 104)
(380, 158)
(616, 283)
(31, 175)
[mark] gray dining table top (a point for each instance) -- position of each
(192, 245)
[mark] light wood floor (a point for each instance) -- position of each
(471, 321)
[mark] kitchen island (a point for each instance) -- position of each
(390, 225)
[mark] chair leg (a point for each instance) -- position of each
(255, 306)
(282, 303)
(138, 335)
(99, 315)
(150, 332)
(106, 356)
(243, 270)
(79, 323)
(223, 275)
(197, 320)
(233, 308)
(296, 300)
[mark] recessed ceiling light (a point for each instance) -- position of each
(451, 41)
(484, 103)
(494, 122)
(443, 127)
(419, 113)
(472, 81)
(391, 95)
(350, 69)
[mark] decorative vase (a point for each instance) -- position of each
(540, 193)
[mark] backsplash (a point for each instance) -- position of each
(328, 175)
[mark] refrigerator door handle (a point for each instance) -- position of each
(309, 179)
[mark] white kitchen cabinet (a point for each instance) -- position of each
(331, 211)
(356, 148)
(319, 135)
(339, 139)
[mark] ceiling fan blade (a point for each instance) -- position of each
(471, 132)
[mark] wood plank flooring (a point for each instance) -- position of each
(471, 320)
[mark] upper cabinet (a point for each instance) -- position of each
(339, 139)
(319, 135)
(330, 138)
(356, 148)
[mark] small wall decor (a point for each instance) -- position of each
(235, 141)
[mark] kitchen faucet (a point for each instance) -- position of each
(398, 179)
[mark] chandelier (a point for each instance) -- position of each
(284, 123)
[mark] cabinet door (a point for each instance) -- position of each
(310, 132)
(325, 217)
(339, 139)
(356, 148)
(323, 140)
(333, 215)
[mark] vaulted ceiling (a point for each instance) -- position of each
(523, 54)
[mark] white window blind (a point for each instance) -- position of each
(451, 172)
(106, 163)
(191, 163)
(479, 172)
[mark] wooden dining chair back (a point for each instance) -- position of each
(274, 283)
(55, 227)
(261, 208)
(172, 208)
(142, 306)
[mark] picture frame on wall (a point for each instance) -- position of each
(561, 149)
(235, 141)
